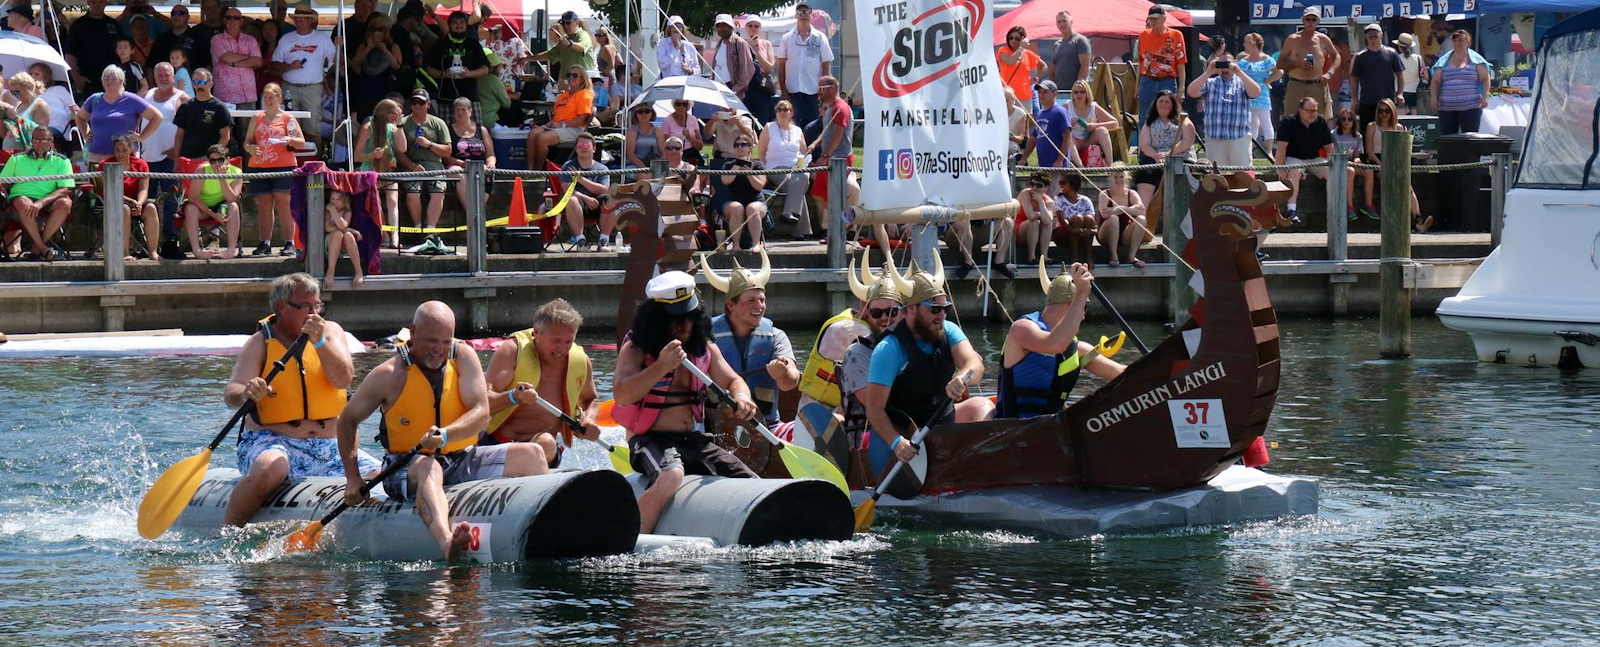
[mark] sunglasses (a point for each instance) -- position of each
(216, 160)
(938, 309)
(201, 82)
(308, 308)
(879, 313)
(742, 145)
(574, 76)
(674, 148)
(785, 109)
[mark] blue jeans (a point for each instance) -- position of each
(1148, 89)
(168, 203)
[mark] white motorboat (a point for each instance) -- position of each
(1536, 298)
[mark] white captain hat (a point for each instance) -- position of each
(675, 290)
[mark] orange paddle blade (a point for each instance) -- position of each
(865, 514)
(304, 539)
(170, 494)
(605, 419)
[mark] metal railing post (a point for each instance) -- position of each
(477, 230)
(1500, 183)
(1175, 193)
(114, 224)
(316, 213)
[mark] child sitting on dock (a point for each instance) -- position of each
(336, 222)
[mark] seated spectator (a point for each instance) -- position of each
(427, 142)
(642, 144)
(56, 96)
(50, 200)
(1035, 222)
(1303, 136)
(379, 142)
(684, 125)
(1090, 124)
(726, 128)
(782, 142)
(494, 103)
(214, 200)
(26, 109)
(1122, 223)
(1166, 131)
(738, 197)
(570, 116)
(115, 112)
(136, 201)
(469, 141)
(1348, 140)
(1075, 222)
(962, 230)
(341, 238)
(589, 197)
(619, 96)
(1387, 119)
(673, 152)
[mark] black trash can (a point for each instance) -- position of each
(1464, 195)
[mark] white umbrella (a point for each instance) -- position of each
(708, 96)
(18, 51)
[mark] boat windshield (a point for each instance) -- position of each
(1562, 140)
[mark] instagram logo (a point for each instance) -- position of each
(895, 164)
(902, 164)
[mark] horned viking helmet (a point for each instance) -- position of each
(923, 286)
(741, 280)
(1059, 290)
(887, 285)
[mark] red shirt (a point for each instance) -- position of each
(130, 185)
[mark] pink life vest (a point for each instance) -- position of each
(641, 416)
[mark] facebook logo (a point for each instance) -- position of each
(895, 164)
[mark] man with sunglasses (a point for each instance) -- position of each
(202, 122)
(291, 434)
(1309, 58)
(922, 360)
(1043, 357)
(236, 55)
(882, 306)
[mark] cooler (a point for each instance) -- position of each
(510, 147)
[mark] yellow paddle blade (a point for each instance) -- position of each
(803, 463)
(621, 459)
(605, 419)
(170, 494)
(1109, 347)
(865, 514)
(304, 539)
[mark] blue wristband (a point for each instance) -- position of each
(512, 395)
(320, 342)
(897, 441)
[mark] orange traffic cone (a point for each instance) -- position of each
(519, 206)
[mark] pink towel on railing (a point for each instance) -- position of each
(366, 214)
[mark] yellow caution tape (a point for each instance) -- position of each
(556, 208)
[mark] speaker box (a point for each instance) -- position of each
(519, 240)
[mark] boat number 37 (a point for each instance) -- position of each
(1198, 412)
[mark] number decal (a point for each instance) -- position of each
(1200, 407)
(476, 533)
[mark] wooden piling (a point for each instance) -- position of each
(1394, 318)
(1338, 234)
(1175, 192)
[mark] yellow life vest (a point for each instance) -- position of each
(302, 391)
(821, 378)
(420, 407)
(528, 371)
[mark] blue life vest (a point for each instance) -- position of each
(1039, 384)
(757, 354)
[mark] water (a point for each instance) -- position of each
(1459, 506)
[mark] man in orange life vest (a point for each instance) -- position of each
(291, 433)
(434, 397)
(542, 361)
(662, 406)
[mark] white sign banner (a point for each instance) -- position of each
(935, 110)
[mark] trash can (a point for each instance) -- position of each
(1464, 195)
(1424, 130)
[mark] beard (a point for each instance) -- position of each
(927, 329)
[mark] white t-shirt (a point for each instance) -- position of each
(719, 63)
(315, 48)
(60, 102)
(1413, 71)
(803, 59)
(783, 146)
(155, 148)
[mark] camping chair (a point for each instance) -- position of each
(83, 197)
(211, 229)
(558, 233)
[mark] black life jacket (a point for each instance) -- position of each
(918, 391)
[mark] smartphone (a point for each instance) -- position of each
(1223, 65)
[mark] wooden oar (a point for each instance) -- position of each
(621, 458)
(604, 419)
(171, 492)
(306, 539)
(869, 508)
(801, 463)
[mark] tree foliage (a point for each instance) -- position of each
(698, 17)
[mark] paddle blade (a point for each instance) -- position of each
(865, 514)
(304, 539)
(807, 464)
(621, 459)
(605, 419)
(170, 494)
(1109, 347)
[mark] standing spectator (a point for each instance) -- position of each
(1050, 127)
(136, 201)
(180, 65)
(803, 59)
(237, 55)
(48, 199)
(378, 146)
(19, 17)
(1262, 69)
(738, 197)
(469, 141)
(203, 122)
(161, 151)
(1091, 125)
(92, 45)
(675, 54)
(1166, 132)
(55, 95)
(302, 57)
(607, 57)
(214, 199)
(211, 24)
(1309, 58)
(1162, 58)
(356, 24)
(375, 62)
(180, 37)
(838, 131)
(1303, 137)
(1378, 73)
(1227, 104)
(131, 69)
(758, 96)
(139, 37)
(781, 144)
(278, 17)
(134, 10)
(1018, 127)
(642, 144)
(114, 112)
(1462, 88)
(589, 195)
(409, 33)
(573, 109)
(271, 140)
(1020, 67)
(1416, 73)
(458, 61)
(493, 102)
(513, 54)
(570, 44)
(1070, 62)
(1121, 219)
(731, 61)
(427, 142)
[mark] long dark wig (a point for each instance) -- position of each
(652, 329)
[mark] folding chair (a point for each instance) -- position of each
(211, 229)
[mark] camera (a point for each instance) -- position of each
(1223, 65)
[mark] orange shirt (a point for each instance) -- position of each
(1160, 55)
(1019, 77)
(571, 105)
(272, 138)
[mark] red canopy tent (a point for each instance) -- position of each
(1116, 18)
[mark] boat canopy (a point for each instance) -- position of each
(1564, 132)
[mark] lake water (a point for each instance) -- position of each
(1459, 506)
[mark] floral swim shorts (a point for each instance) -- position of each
(307, 456)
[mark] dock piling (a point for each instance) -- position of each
(316, 201)
(838, 173)
(1394, 314)
(1338, 234)
(1175, 193)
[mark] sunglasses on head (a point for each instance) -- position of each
(879, 313)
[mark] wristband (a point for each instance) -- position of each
(512, 395)
(320, 342)
(897, 441)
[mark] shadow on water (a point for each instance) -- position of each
(1458, 507)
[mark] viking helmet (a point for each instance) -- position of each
(741, 280)
(885, 286)
(924, 286)
(1060, 290)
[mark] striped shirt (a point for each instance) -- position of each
(1227, 108)
(1458, 89)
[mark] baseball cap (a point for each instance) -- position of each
(422, 94)
(1156, 10)
(675, 20)
(569, 16)
(1373, 27)
(724, 19)
(1047, 85)
(23, 10)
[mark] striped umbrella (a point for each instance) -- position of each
(709, 96)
